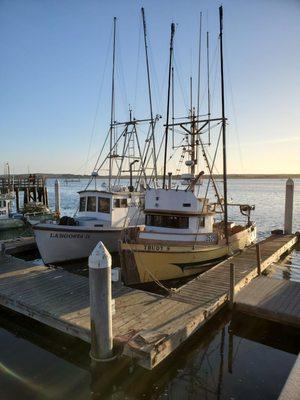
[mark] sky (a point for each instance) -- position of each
(55, 77)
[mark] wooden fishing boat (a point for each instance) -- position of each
(180, 238)
(184, 233)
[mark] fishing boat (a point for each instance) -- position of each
(103, 213)
(185, 233)
(9, 220)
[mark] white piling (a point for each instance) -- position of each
(100, 304)
(57, 196)
(288, 213)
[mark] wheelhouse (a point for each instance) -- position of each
(109, 207)
(177, 211)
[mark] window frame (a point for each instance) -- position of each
(82, 200)
(95, 204)
(167, 221)
(104, 210)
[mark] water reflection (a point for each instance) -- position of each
(231, 357)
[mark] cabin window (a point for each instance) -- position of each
(104, 205)
(201, 222)
(167, 221)
(91, 203)
(120, 203)
(82, 203)
(186, 204)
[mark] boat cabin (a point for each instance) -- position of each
(108, 208)
(177, 211)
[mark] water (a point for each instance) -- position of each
(232, 358)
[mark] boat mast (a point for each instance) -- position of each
(193, 142)
(199, 66)
(208, 83)
(112, 107)
(223, 127)
(168, 104)
(152, 138)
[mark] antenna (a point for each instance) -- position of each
(112, 107)
(223, 128)
(168, 103)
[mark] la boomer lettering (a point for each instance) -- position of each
(69, 235)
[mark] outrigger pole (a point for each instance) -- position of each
(150, 94)
(112, 108)
(223, 128)
(168, 104)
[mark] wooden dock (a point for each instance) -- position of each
(147, 326)
(273, 299)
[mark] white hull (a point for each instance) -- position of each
(65, 243)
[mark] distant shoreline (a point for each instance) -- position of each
(230, 176)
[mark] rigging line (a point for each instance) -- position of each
(125, 147)
(108, 156)
(212, 65)
(208, 183)
(210, 169)
(98, 100)
(178, 75)
(156, 89)
(120, 72)
(235, 119)
(101, 151)
(199, 64)
(140, 154)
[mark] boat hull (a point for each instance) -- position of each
(147, 262)
(66, 243)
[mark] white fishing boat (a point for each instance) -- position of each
(184, 232)
(103, 214)
(9, 220)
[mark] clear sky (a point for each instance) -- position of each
(55, 70)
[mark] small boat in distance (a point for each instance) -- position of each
(182, 235)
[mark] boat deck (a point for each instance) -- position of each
(149, 327)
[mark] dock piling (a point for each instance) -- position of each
(289, 199)
(258, 257)
(100, 304)
(57, 197)
(232, 285)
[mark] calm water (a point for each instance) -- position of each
(232, 358)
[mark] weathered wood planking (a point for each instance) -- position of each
(270, 298)
(148, 326)
(291, 389)
(208, 293)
